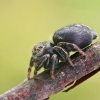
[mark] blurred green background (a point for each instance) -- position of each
(24, 23)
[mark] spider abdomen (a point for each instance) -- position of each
(79, 34)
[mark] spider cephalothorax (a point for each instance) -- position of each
(70, 38)
(43, 55)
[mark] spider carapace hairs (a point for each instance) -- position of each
(70, 38)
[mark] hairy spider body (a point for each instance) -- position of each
(70, 38)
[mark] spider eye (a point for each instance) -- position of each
(40, 47)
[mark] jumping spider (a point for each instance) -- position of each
(70, 38)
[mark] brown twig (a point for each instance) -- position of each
(44, 86)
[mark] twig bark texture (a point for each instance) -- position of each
(44, 86)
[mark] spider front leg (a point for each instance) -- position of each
(29, 72)
(72, 45)
(54, 64)
(43, 61)
(30, 67)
